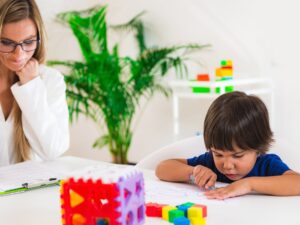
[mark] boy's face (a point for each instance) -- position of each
(234, 164)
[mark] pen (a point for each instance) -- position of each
(40, 183)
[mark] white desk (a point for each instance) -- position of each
(182, 90)
(42, 207)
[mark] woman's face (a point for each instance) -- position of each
(17, 32)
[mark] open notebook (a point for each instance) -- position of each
(27, 176)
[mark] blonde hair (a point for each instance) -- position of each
(14, 11)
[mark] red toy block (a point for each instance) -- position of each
(154, 209)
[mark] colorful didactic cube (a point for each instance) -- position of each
(111, 197)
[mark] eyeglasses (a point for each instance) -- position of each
(9, 46)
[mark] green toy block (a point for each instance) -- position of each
(173, 214)
(201, 89)
(227, 89)
(223, 62)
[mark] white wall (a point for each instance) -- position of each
(262, 38)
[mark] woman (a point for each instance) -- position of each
(33, 112)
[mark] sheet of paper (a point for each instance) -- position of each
(176, 193)
(14, 176)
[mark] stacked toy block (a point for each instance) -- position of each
(103, 199)
(202, 89)
(184, 214)
(223, 73)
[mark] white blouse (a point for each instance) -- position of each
(44, 117)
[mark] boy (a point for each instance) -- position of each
(237, 136)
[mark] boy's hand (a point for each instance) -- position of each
(204, 177)
(29, 71)
(237, 188)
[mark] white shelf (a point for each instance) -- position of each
(182, 89)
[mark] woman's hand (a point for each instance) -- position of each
(29, 71)
(204, 177)
(237, 188)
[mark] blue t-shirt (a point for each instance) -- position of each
(265, 165)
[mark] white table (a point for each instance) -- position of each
(42, 207)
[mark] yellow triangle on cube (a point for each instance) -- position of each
(76, 199)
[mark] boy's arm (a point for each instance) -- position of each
(287, 184)
(284, 185)
(174, 170)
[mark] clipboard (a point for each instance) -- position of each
(27, 176)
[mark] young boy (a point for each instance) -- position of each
(237, 136)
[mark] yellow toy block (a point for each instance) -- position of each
(197, 221)
(195, 212)
(228, 62)
(165, 211)
(224, 72)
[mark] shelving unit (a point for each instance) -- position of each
(182, 89)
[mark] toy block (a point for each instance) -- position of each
(226, 67)
(218, 72)
(201, 89)
(189, 204)
(194, 212)
(181, 221)
(183, 208)
(154, 209)
(224, 72)
(226, 63)
(203, 77)
(106, 198)
(197, 221)
(227, 89)
(204, 209)
(175, 214)
(165, 211)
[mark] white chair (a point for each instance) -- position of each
(185, 148)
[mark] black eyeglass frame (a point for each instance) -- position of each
(21, 45)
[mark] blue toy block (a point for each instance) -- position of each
(181, 221)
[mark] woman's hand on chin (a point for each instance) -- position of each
(29, 71)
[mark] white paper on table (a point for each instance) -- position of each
(13, 176)
(177, 193)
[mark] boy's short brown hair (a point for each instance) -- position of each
(238, 119)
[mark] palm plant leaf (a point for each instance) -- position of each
(136, 25)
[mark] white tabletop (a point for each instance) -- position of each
(42, 207)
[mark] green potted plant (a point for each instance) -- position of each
(106, 86)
